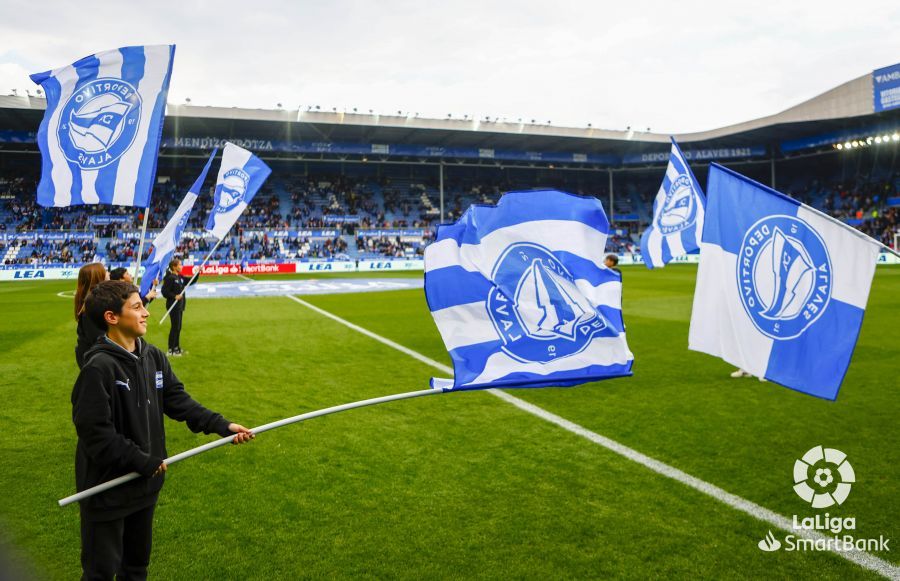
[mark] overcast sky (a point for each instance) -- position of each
(671, 66)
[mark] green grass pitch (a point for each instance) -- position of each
(457, 485)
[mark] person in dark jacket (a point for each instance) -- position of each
(118, 402)
(87, 332)
(174, 284)
(121, 273)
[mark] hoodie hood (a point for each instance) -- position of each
(106, 345)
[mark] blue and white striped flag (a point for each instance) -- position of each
(677, 214)
(167, 240)
(99, 139)
(781, 288)
(240, 177)
(521, 296)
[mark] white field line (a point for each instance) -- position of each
(245, 277)
(861, 558)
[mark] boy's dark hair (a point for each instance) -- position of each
(611, 257)
(109, 295)
(117, 273)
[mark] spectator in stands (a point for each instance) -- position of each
(88, 332)
(174, 284)
(121, 273)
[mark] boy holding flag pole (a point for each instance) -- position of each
(118, 401)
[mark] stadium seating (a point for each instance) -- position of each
(332, 216)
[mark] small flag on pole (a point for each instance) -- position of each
(521, 296)
(781, 288)
(166, 241)
(677, 215)
(240, 177)
(99, 139)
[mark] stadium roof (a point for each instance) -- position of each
(846, 108)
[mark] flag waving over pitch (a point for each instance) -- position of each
(167, 240)
(100, 135)
(677, 214)
(240, 177)
(521, 296)
(781, 288)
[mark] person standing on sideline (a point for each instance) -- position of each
(88, 333)
(118, 402)
(174, 284)
(122, 273)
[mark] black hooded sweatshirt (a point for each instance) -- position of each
(118, 404)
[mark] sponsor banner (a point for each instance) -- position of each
(17, 274)
(327, 233)
(7, 136)
(47, 235)
(275, 268)
(885, 258)
(886, 88)
(103, 219)
(340, 219)
(633, 259)
(326, 266)
(134, 234)
(387, 264)
(391, 232)
(696, 155)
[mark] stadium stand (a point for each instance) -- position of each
(376, 187)
(338, 212)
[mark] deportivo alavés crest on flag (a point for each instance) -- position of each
(241, 174)
(781, 288)
(678, 212)
(99, 138)
(521, 296)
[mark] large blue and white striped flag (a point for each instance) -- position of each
(166, 241)
(677, 214)
(521, 296)
(240, 177)
(99, 139)
(781, 288)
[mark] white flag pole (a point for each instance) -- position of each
(258, 430)
(137, 262)
(193, 278)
